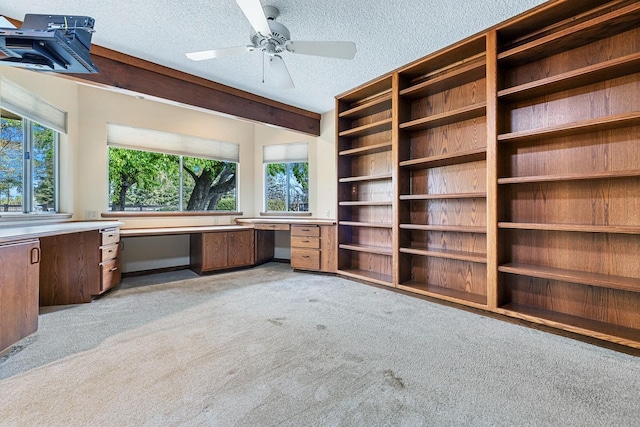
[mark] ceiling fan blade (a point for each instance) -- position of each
(218, 53)
(331, 49)
(252, 9)
(281, 76)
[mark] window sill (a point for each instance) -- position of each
(19, 219)
(133, 214)
(35, 216)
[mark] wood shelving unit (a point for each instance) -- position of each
(442, 153)
(365, 186)
(569, 173)
(503, 172)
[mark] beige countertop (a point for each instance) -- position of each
(14, 234)
(285, 220)
(159, 231)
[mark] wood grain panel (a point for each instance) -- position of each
(598, 202)
(241, 250)
(376, 117)
(448, 100)
(126, 72)
(610, 306)
(18, 292)
(70, 268)
(264, 244)
(613, 254)
(371, 164)
(602, 99)
(584, 56)
(214, 250)
(328, 248)
(473, 243)
(462, 178)
(456, 137)
(463, 276)
(614, 150)
(380, 264)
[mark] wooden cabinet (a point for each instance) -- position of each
(18, 291)
(221, 249)
(77, 266)
(110, 274)
(305, 247)
(514, 182)
(365, 188)
(313, 247)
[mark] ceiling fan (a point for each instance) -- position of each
(273, 38)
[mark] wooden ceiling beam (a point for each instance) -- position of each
(127, 72)
(123, 71)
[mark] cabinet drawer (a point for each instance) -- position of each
(109, 252)
(305, 230)
(110, 274)
(306, 259)
(110, 236)
(305, 242)
(271, 226)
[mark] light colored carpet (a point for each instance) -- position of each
(267, 347)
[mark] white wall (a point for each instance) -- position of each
(84, 158)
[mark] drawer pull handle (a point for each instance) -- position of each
(109, 235)
(111, 270)
(35, 255)
(305, 241)
(305, 256)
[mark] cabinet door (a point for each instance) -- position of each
(70, 268)
(18, 291)
(240, 248)
(214, 251)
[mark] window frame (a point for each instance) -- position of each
(288, 174)
(181, 193)
(28, 205)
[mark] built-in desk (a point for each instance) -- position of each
(313, 240)
(251, 241)
(54, 264)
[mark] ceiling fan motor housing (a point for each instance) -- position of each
(279, 34)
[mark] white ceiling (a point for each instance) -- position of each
(387, 35)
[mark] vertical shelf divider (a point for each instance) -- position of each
(492, 170)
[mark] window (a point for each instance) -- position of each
(28, 165)
(286, 177)
(158, 171)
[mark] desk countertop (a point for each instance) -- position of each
(14, 234)
(242, 224)
(285, 220)
(165, 231)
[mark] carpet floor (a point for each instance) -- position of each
(272, 347)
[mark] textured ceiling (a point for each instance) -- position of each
(387, 35)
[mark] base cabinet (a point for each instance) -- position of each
(77, 266)
(313, 248)
(18, 291)
(221, 250)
